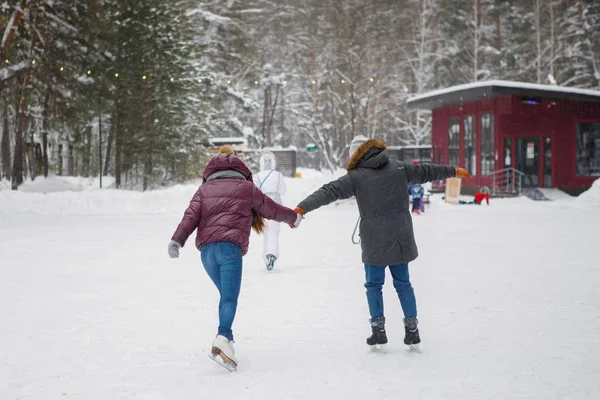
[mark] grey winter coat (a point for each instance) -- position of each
(381, 189)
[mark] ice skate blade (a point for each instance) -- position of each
(221, 359)
(379, 348)
(415, 348)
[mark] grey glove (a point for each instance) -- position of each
(174, 249)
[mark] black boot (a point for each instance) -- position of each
(378, 336)
(411, 332)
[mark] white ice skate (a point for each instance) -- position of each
(222, 353)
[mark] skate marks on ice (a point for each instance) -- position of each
(383, 349)
(379, 348)
(228, 365)
(414, 348)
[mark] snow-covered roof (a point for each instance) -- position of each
(482, 90)
(219, 141)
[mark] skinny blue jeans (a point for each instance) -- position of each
(223, 264)
(375, 278)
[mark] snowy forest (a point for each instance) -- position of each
(134, 88)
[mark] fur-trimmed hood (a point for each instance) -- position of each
(226, 162)
(373, 144)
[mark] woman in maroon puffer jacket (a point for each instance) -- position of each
(223, 210)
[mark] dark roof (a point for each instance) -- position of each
(489, 89)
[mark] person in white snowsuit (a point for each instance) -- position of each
(271, 183)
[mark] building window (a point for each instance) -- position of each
(453, 141)
(587, 152)
(470, 157)
(487, 144)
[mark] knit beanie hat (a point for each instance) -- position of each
(356, 143)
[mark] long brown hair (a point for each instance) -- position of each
(258, 222)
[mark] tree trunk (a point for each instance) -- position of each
(45, 132)
(118, 146)
(147, 144)
(60, 160)
(552, 44)
(118, 137)
(266, 140)
(538, 40)
(31, 157)
(70, 161)
(38, 159)
(476, 34)
(87, 150)
(17, 170)
(5, 143)
(285, 141)
(272, 115)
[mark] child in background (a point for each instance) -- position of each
(417, 192)
(482, 194)
(271, 183)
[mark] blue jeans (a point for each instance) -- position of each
(375, 277)
(223, 264)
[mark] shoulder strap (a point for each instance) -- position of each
(264, 180)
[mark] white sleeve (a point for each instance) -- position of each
(282, 188)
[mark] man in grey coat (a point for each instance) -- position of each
(380, 186)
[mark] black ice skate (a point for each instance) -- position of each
(378, 340)
(411, 334)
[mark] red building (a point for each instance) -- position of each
(549, 136)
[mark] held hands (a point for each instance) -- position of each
(462, 173)
(174, 249)
(299, 217)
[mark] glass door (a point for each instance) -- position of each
(548, 162)
(528, 160)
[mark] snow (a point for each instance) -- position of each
(85, 79)
(208, 16)
(9, 71)
(9, 27)
(506, 84)
(591, 197)
(61, 22)
(92, 307)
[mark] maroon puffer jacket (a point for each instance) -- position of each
(221, 209)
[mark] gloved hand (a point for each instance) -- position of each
(174, 249)
(462, 173)
(299, 217)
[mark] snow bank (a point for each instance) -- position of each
(82, 196)
(60, 184)
(97, 202)
(591, 197)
